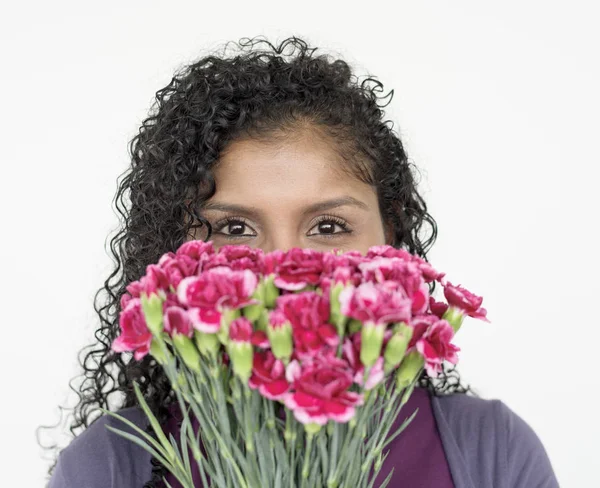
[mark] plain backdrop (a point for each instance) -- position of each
(497, 103)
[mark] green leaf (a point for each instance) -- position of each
(136, 440)
(153, 421)
(134, 427)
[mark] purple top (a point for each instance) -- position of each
(454, 441)
(416, 454)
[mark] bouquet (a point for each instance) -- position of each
(289, 368)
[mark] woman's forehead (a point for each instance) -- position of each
(306, 164)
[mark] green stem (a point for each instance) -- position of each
(309, 441)
(331, 481)
(292, 446)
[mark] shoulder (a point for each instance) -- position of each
(99, 457)
(492, 443)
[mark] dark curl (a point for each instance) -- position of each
(261, 91)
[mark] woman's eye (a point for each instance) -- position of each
(233, 228)
(329, 227)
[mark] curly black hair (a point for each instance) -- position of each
(261, 91)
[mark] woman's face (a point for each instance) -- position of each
(291, 195)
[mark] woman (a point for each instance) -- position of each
(277, 147)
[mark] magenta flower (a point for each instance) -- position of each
(463, 299)
(241, 330)
(155, 280)
(429, 273)
(320, 391)
(437, 308)
(197, 250)
(431, 337)
(218, 288)
(403, 275)
(177, 321)
(349, 262)
(375, 303)
(268, 376)
(237, 257)
(386, 251)
(213, 291)
(176, 267)
(207, 320)
(308, 314)
(294, 269)
(260, 339)
(135, 335)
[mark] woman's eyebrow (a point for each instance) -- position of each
(312, 208)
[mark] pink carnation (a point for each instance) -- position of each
(135, 335)
(260, 339)
(406, 276)
(213, 291)
(206, 320)
(463, 299)
(197, 250)
(177, 321)
(268, 376)
(375, 303)
(218, 288)
(429, 273)
(308, 314)
(237, 257)
(176, 267)
(349, 262)
(437, 308)
(320, 391)
(240, 330)
(294, 269)
(431, 337)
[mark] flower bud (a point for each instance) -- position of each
(152, 306)
(227, 317)
(207, 344)
(271, 292)
(371, 340)
(179, 381)
(409, 368)
(455, 317)
(187, 350)
(239, 348)
(253, 312)
(279, 332)
(336, 317)
(312, 428)
(157, 353)
(354, 326)
(263, 320)
(241, 356)
(396, 346)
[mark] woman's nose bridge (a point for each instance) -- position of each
(282, 244)
(283, 238)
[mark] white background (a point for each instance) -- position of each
(497, 103)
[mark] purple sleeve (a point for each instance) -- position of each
(99, 458)
(528, 462)
(487, 444)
